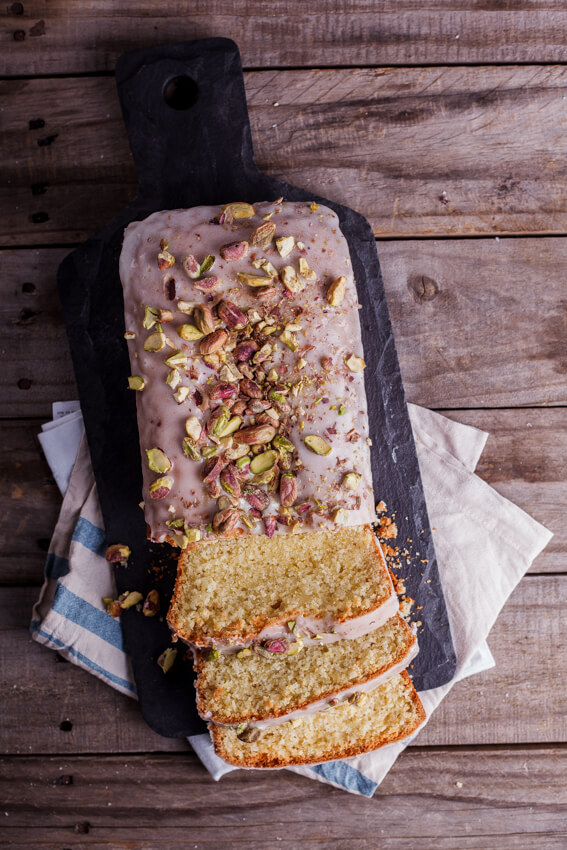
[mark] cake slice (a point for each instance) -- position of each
(282, 680)
(246, 589)
(390, 713)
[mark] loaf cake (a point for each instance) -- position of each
(281, 680)
(245, 589)
(246, 355)
(357, 725)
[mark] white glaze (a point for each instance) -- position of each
(333, 331)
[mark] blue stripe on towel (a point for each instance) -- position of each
(56, 566)
(346, 776)
(92, 665)
(81, 612)
(90, 536)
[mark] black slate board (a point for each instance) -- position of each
(185, 112)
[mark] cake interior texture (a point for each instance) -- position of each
(233, 689)
(235, 587)
(389, 713)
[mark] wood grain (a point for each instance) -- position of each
(418, 151)
(58, 38)
(517, 702)
(524, 459)
(437, 799)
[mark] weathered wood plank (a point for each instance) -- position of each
(419, 151)
(510, 798)
(525, 460)
(517, 702)
(478, 323)
(55, 38)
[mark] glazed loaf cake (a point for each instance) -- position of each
(245, 349)
(282, 680)
(392, 711)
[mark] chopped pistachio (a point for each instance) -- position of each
(314, 206)
(189, 333)
(243, 461)
(160, 488)
(118, 553)
(179, 359)
(181, 394)
(238, 210)
(290, 280)
(213, 654)
(190, 450)
(254, 280)
(295, 722)
(244, 653)
(301, 363)
(129, 598)
(165, 260)
(357, 698)
(173, 378)
(317, 444)
(155, 341)
(355, 363)
(305, 271)
(233, 425)
(285, 245)
(207, 264)
(296, 647)
(263, 462)
(340, 515)
(186, 306)
(136, 382)
(193, 534)
(151, 604)
(167, 659)
(351, 481)
(158, 461)
(336, 291)
(282, 444)
(291, 624)
(342, 410)
(151, 316)
(129, 335)
(288, 339)
(193, 427)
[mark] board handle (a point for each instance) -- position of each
(184, 107)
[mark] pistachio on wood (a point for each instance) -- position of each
(213, 342)
(129, 598)
(263, 235)
(204, 319)
(234, 251)
(233, 317)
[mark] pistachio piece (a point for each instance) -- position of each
(288, 489)
(263, 235)
(266, 266)
(232, 426)
(190, 333)
(291, 624)
(233, 317)
(290, 280)
(190, 449)
(230, 482)
(317, 444)
(226, 521)
(244, 653)
(237, 209)
(204, 319)
(357, 698)
(191, 267)
(263, 461)
(250, 388)
(282, 444)
(213, 654)
(285, 245)
(173, 378)
(340, 516)
(288, 339)
(213, 342)
(155, 341)
(181, 394)
(165, 260)
(151, 316)
(256, 435)
(193, 534)
(234, 251)
(355, 363)
(136, 382)
(112, 606)
(222, 390)
(296, 647)
(254, 280)
(129, 335)
(186, 306)
(248, 734)
(351, 481)
(207, 264)
(177, 359)
(295, 722)
(160, 488)
(305, 271)
(270, 524)
(118, 553)
(158, 461)
(165, 316)
(167, 659)
(336, 291)
(229, 373)
(277, 645)
(129, 598)
(256, 497)
(207, 284)
(151, 604)
(193, 427)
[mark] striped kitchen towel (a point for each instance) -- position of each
(484, 546)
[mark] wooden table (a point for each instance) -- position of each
(447, 129)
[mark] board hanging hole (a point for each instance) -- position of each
(181, 93)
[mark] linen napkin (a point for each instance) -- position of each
(484, 545)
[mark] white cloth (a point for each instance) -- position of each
(484, 545)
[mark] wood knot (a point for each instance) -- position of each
(423, 287)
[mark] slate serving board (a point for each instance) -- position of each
(184, 108)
